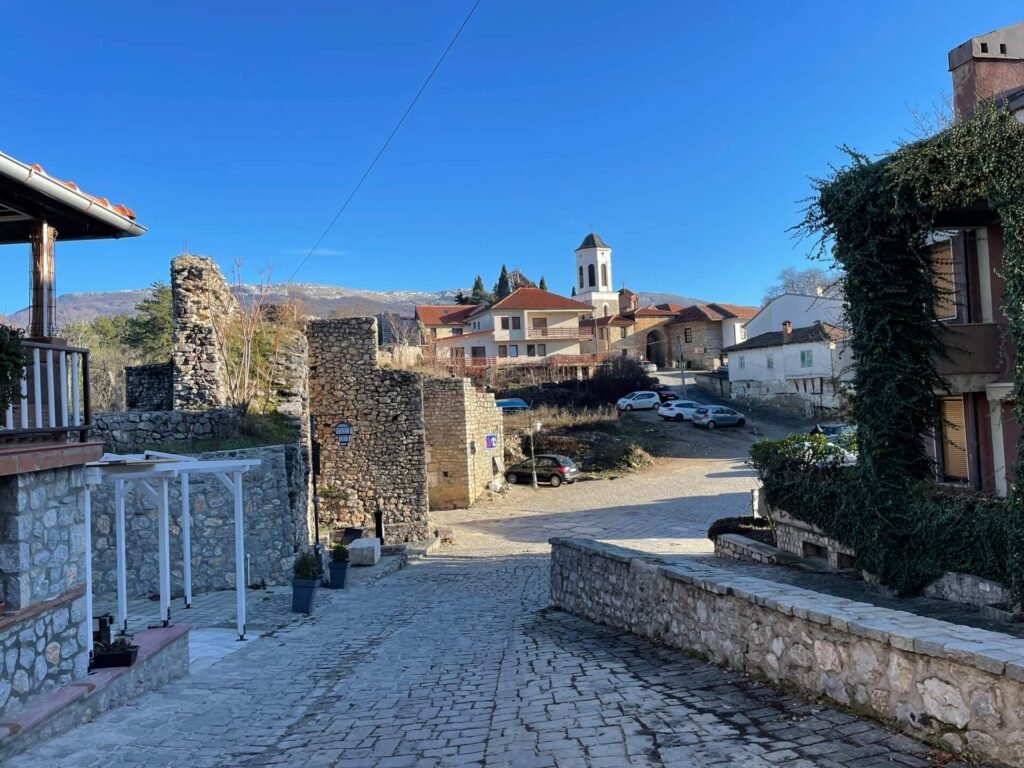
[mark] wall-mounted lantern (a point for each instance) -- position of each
(343, 432)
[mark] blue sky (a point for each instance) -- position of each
(684, 133)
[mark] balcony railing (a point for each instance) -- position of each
(559, 333)
(54, 394)
(973, 349)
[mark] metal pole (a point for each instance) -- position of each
(165, 556)
(122, 588)
(87, 508)
(533, 461)
(186, 539)
(239, 555)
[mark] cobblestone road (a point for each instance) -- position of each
(457, 660)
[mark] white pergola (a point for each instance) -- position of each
(150, 473)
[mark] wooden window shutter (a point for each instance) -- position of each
(954, 439)
(942, 263)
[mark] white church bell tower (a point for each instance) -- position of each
(594, 276)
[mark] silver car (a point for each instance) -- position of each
(712, 416)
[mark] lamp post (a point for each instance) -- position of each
(535, 427)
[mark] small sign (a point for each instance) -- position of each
(491, 441)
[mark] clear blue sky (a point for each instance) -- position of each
(684, 133)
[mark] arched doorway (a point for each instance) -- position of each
(657, 347)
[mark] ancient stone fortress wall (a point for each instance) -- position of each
(458, 418)
(273, 530)
(383, 466)
(43, 638)
(149, 387)
(960, 686)
(136, 431)
(200, 298)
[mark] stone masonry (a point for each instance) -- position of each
(960, 686)
(457, 418)
(273, 531)
(383, 467)
(200, 296)
(136, 431)
(149, 387)
(42, 571)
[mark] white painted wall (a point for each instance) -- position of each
(800, 310)
(770, 371)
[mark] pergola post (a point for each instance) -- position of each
(240, 585)
(165, 555)
(87, 509)
(122, 587)
(186, 539)
(43, 287)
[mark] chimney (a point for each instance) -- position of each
(787, 330)
(985, 67)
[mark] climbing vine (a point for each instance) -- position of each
(875, 219)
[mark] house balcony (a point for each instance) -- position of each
(976, 354)
(54, 403)
(559, 333)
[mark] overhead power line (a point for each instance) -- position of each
(387, 141)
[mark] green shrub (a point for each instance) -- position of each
(339, 554)
(307, 566)
(12, 359)
(740, 525)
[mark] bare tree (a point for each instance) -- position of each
(240, 336)
(812, 281)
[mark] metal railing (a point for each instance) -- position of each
(54, 393)
(559, 333)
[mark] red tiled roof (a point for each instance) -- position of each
(616, 320)
(443, 314)
(714, 313)
(737, 310)
(653, 312)
(535, 298)
(669, 307)
(123, 210)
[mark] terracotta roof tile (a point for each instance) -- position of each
(653, 312)
(535, 298)
(443, 314)
(123, 210)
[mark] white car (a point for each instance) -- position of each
(649, 367)
(678, 410)
(639, 401)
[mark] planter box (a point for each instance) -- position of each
(303, 592)
(338, 572)
(108, 659)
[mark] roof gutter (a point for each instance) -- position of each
(40, 182)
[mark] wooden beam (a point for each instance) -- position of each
(42, 306)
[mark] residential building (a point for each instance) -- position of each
(699, 333)
(802, 368)
(440, 321)
(529, 325)
(801, 310)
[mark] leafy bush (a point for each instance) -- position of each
(12, 360)
(307, 566)
(339, 554)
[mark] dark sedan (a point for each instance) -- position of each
(551, 468)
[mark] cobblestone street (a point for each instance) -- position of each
(457, 660)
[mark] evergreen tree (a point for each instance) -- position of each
(479, 294)
(461, 298)
(543, 283)
(149, 332)
(502, 288)
(573, 291)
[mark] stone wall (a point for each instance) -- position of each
(43, 638)
(457, 418)
(273, 532)
(734, 546)
(798, 538)
(967, 589)
(201, 299)
(136, 431)
(959, 686)
(383, 467)
(149, 387)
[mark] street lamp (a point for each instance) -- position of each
(535, 427)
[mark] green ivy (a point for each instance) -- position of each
(13, 359)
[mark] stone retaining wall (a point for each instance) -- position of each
(793, 535)
(733, 546)
(149, 387)
(960, 686)
(137, 430)
(273, 532)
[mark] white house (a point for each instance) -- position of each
(799, 309)
(804, 368)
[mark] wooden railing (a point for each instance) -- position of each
(559, 333)
(54, 394)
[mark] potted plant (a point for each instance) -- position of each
(118, 653)
(307, 573)
(338, 566)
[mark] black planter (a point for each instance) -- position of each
(106, 659)
(303, 591)
(338, 572)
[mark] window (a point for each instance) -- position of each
(606, 312)
(531, 350)
(591, 280)
(943, 275)
(604, 334)
(513, 350)
(502, 350)
(622, 332)
(539, 323)
(478, 352)
(688, 335)
(741, 333)
(581, 277)
(504, 323)
(517, 323)
(806, 358)
(771, 362)
(604, 276)
(542, 349)
(456, 331)
(743, 361)
(954, 439)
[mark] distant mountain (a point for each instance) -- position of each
(318, 300)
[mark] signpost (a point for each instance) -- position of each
(491, 442)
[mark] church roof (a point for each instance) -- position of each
(593, 240)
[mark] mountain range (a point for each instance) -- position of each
(318, 300)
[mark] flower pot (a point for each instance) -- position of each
(303, 592)
(119, 658)
(338, 572)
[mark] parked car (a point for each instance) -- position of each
(667, 395)
(678, 410)
(639, 401)
(551, 468)
(512, 405)
(711, 416)
(649, 367)
(834, 432)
